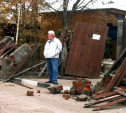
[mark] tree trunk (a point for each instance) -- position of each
(35, 17)
(18, 23)
(64, 55)
(64, 52)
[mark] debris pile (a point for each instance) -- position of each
(55, 89)
(81, 90)
(7, 46)
(18, 61)
(112, 88)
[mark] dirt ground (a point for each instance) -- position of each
(13, 99)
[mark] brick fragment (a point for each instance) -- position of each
(87, 91)
(66, 97)
(38, 91)
(87, 83)
(66, 92)
(74, 84)
(30, 93)
(72, 91)
(55, 89)
(82, 97)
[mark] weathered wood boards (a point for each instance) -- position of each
(87, 49)
(111, 98)
(117, 77)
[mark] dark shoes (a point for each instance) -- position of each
(48, 82)
(56, 83)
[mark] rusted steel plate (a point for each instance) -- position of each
(87, 50)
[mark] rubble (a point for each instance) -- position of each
(82, 97)
(112, 88)
(30, 93)
(55, 89)
(81, 90)
(38, 91)
(66, 96)
(16, 61)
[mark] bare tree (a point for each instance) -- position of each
(69, 11)
(25, 13)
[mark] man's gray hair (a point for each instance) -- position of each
(51, 32)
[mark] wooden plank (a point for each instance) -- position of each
(104, 95)
(22, 62)
(86, 51)
(108, 94)
(102, 100)
(116, 77)
(121, 77)
(120, 92)
(108, 104)
(116, 63)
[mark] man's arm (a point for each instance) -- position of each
(59, 47)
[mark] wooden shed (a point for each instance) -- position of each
(107, 17)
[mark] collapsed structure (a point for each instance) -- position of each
(14, 60)
(85, 58)
(111, 89)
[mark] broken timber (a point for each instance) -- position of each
(28, 69)
(116, 96)
(117, 77)
(43, 69)
(113, 97)
(116, 64)
(22, 62)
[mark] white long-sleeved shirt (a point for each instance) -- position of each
(52, 48)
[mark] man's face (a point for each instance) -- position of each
(50, 37)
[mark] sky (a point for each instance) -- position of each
(118, 4)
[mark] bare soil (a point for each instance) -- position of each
(13, 99)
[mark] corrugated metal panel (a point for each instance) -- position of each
(86, 53)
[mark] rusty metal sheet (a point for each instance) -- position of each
(87, 50)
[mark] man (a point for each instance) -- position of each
(52, 49)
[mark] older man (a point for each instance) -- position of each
(52, 49)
